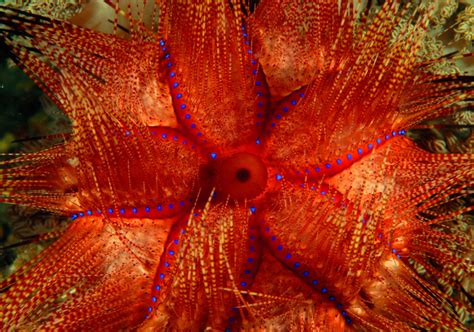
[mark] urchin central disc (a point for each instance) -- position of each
(241, 175)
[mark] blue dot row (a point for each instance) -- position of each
(286, 109)
(258, 84)
(247, 271)
(314, 281)
(167, 265)
(173, 137)
(179, 99)
(134, 210)
(360, 151)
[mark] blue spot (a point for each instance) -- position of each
(339, 161)
(122, 211)
(250, 260)
(274, 238)
(293, 102)
(344, 313)
(332, 298)
(288, 256)
(278, 177)
(164, 135)
(187, 116)
(324, 290)
(379, 141)
(317, 169)
(164, 49)
(183, 106)
(252, 248)
(349, 156)
(394, 250)
(171, 252)
(162, 276)
(285, 109)
(323, 193)
(243, 283)
(305, 273)
(387, 136)
(175, 84)
(253, 209)
(213, 155)
(278, 116)
(247, 42)
(258, 83)
(370, 146)
(167, 55)
(111, 211)
(89, 212)
(162, 43)
(315, 282)
(176, 241)
(245, 35)
(181, 203)
(328, 165)
(169, 64)
(259, 93)
(81, 214)
(170, 205)
(280, 248)
(247, 271)
(134, 210)
(179, 95)
(167, 264)
(359, 151)
(153, 299)
(193, 125)
(394, 133)
(157, 287)
(254, 71)
(150, 309)
(159, 208)
(147, 209)
(74, 217)
(260, 104)
(249, 51)
(297, 265)
(254, 62)
(172, 74)
(257, 141)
